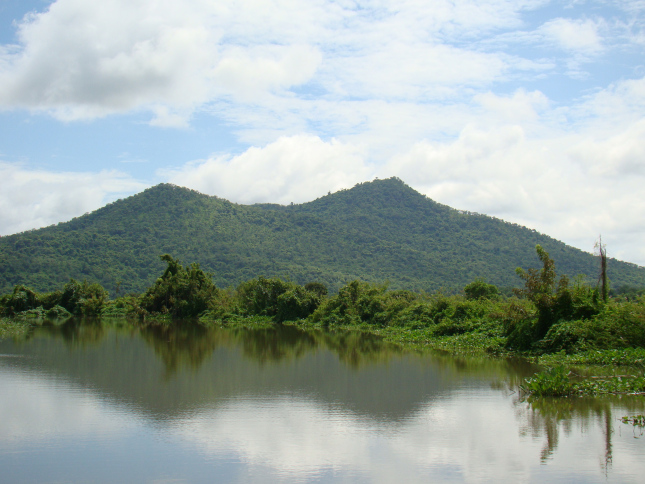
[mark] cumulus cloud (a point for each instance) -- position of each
(291, 169)
(82, 60)
(37, 198)
(570, 187)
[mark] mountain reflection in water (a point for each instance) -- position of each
(279, 403)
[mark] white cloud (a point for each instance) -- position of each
(249, 73)
(291, 169)
(85, 59)
(43, 407)
(412, 71)
(612, 108)
(37, 198)
(619, 157)
(81, 60)
(577, 36)
(568, 186)
(522, 106)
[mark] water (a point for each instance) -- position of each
(113, 402)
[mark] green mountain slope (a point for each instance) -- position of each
(376, 231)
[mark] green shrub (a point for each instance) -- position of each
(21, 299)
(449, 327)
(479, 289)
(317, 288)
(83, 298)
(260, 296)
(281, 300)
(296, 303)
(58, 312)
(550, 383)
(364, 303)
(618, 325)
(416, 315)
(180, 291)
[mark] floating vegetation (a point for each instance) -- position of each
(557, 382)
(635, 420)
(606, 357)
(553, 382)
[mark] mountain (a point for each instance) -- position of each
(377, 231)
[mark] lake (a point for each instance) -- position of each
(115, 402)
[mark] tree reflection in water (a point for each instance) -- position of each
(548, 416)
(186, 347)
(189, 345)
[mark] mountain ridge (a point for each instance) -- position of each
(377, 231)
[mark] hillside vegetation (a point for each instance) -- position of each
(377, 231)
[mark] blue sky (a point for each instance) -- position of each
(531, 111)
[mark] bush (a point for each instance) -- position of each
(83, 298)
(448, 327)
(296, 303)
(21, 299)
(260, 296)
(281, 300)
(317, 288)
(179, 292)
(364, 303)
(551, 383)
(58, 312)
(479, 289)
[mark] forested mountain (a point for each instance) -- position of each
(377, 231)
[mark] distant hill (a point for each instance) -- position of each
(377, 231)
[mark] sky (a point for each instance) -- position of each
(531, 111)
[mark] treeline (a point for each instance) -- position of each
(548, 314)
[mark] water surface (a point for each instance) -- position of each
(113, 402)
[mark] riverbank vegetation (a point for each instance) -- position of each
(552, 320)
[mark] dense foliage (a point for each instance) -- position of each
(375, 232)
(180, 292)
(543, 317)
(75, 298)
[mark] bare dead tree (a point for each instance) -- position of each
(602, 279)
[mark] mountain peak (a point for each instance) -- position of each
(376, 231)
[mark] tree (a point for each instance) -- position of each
(540, 288)
(180, 292)
(83, 297)
(602, 252)
(21, 299)
(479, 289)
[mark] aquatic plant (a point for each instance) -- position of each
(556, 382)
(635, 420)
(553, 382)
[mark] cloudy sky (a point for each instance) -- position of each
(532, 111)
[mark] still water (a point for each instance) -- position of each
(113, 402)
